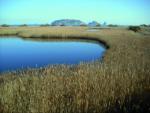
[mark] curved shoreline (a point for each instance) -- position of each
(46, 39)
(102, 42)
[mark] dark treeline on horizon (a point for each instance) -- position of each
(72, 22)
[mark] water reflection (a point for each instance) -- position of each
(17, 53)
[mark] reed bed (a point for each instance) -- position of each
(118, 84)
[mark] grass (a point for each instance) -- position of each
(119, 84)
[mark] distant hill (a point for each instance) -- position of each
(67, 22)
(94, 24)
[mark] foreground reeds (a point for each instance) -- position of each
(118, 84)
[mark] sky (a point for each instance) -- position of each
(121, 12)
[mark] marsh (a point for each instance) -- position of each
(122, 76)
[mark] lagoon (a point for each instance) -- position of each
(19, 53)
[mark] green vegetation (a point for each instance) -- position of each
(118, 84)
(144, 25)
(23, 25)
(111, 25)
(134, 28)
(4, 25)
(83, 25)
(44, 25)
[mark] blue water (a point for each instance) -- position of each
(17, 53)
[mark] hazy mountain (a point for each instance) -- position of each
(67, 22)
(94, 24)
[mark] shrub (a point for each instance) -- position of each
(4, 25)
(44, 25)
(84, 25)
(144, 25)
(23, 25)
(98, 25)
(62, 24)
(111, 25)
(134, 28)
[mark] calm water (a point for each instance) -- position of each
(17, 53)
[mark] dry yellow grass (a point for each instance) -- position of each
(119, 84)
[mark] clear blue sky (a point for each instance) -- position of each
(123, 12)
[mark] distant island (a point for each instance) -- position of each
(67, 22)
(62, 22)
(73, 22)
